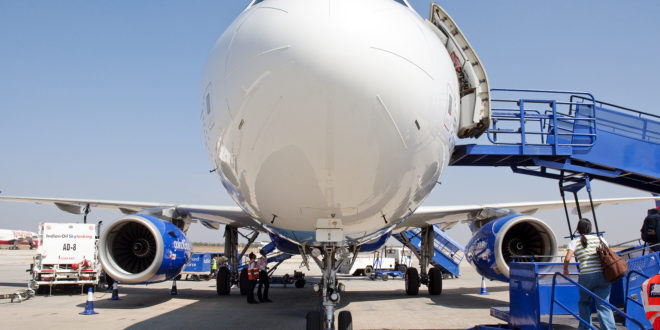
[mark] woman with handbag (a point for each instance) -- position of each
(591, 275)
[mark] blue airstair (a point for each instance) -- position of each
(448, 254)
(545, 132)
(278, 258)
(574, 138)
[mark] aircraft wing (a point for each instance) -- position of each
(448, 216)
(209, 216)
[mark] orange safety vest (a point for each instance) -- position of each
(253, 270)
(651, 300)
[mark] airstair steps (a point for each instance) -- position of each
(545, 132)
(447, 253)
(278, 258)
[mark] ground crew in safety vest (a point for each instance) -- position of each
(214, 267)
(651, 300)
(253, 275)
(263, 278)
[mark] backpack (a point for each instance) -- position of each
(651, 227)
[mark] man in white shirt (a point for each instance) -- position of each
(264, 281)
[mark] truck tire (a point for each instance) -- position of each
(402, 268)
(42, 289)
(368, 270)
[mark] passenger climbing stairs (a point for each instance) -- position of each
(447, 253)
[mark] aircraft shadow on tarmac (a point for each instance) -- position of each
(232, 311)
(135, 298)
(289, 307)
(453, 298)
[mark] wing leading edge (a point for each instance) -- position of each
(448, 216)
(213, 216)
(209, 216)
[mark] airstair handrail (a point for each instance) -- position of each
(643, 248)
(551, 121)
(639, 113)
(593, 295)
(628, 288)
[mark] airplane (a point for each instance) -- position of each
(18, 237)
(329, 125)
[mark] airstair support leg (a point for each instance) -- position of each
(577, 205)
(580, 183)
(563, 198)
(591, 203)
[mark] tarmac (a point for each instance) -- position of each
(374, 304)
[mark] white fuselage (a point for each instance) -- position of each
(316, 109)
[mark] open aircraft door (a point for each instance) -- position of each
(475, 92)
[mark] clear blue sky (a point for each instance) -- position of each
(100, 99)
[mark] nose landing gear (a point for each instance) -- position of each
(329, 290)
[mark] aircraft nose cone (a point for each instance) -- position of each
(325, 102)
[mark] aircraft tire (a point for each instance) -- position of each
(412, 282)
(223, 281)
(313, 320)
(345, 321)
(435, 281)
(243, 282)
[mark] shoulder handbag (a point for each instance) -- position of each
(614, 267)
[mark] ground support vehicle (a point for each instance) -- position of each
(67, 256)
(198, 268)
(392, 260)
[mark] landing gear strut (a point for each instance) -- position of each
(329, 289)
(228, 274)
(431, 278)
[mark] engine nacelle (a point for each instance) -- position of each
(498, 242)
(143, 249)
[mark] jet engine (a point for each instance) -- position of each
(143, 249)
(511, 238)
